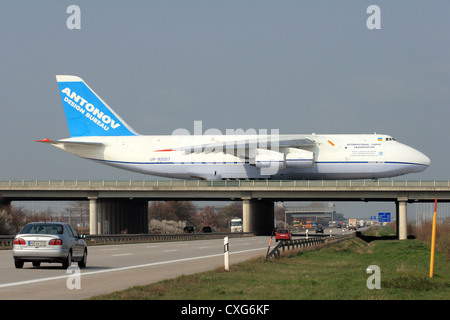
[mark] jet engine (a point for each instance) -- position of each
(269, 158)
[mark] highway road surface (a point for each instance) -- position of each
(117, 267)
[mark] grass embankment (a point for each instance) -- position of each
(335, 272)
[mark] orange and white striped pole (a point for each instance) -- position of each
(433, 240)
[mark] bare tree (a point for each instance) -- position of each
(12, 219)
(209, 217)
(172, 210)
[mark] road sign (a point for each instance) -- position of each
(384, 217)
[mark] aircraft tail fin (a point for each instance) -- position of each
(86, 113)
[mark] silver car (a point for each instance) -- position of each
(49, 242)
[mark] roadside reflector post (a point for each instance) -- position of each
(330, 232)
(268, 248)
(306, 233)
(225, 250)
(433, 240)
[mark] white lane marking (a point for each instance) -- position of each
(170, 250)
(121, 254)
(19, 283)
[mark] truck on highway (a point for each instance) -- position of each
(351, 224)
(236, 225)
(297, 225)
(308, 225)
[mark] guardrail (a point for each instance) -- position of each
(7, 240)
(293, 246)
(221, 183)
(133, 238)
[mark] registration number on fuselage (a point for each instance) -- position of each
(160, 159)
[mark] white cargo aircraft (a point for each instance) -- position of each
(98, 133)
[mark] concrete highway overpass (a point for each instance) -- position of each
(115, 205)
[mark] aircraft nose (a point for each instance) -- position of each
(421, 160)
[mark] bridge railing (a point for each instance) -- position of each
(221, 183)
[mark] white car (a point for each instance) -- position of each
(49, 242)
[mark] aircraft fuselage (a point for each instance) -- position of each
(367, 156)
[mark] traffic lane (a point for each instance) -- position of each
(101, 280)
(121, 255)
(118, 256)
(106, 257)
(121, 266)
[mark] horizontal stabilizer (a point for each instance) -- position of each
(81, 143)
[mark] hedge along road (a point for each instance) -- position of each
(117, 267)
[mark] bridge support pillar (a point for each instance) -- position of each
(402, 224)
(5, 202)
(258, 216)
(93, 216)
(115, 216)
(5, 205)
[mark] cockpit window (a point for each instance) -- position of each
(390, 139)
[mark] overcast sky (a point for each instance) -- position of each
(296, 66)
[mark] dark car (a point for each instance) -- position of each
(206, 229)
(319, 228)
(189, 229)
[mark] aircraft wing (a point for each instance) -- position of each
(261, 142)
